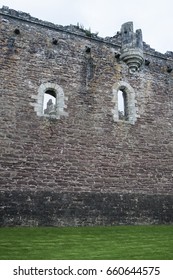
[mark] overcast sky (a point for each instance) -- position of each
(154, 17)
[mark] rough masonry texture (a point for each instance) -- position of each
(77, 162)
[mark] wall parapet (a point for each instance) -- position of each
(71, 29)
(114, 41)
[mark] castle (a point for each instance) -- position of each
(86, 126)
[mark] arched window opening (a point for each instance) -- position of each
(125, 104)
(122, 105)
(50, 101)
(49, 104)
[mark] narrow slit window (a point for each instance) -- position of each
(122, 105)
(125, 104)
(49, 105)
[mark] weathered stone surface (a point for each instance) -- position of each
(81, 208)
(85, 166)
(132, 47)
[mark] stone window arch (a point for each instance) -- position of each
(128, 98)
(53, 109)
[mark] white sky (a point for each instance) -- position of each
(154, 17)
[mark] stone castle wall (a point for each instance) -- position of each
(82, 165)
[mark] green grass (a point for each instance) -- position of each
(87, 243)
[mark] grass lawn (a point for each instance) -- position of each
(87, 243)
